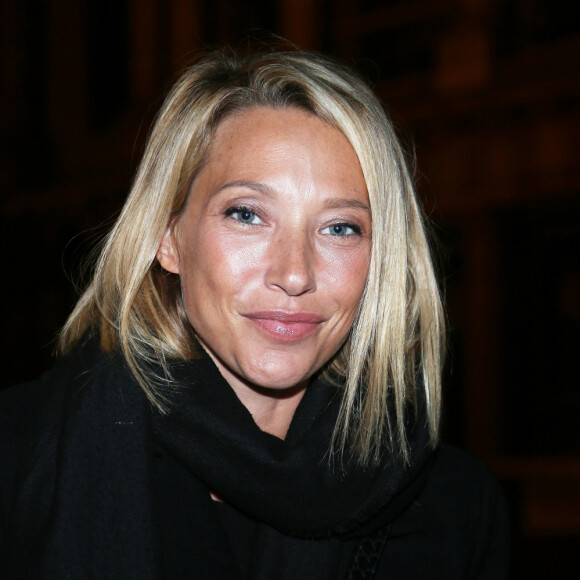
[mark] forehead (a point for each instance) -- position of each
(279, 122)
(263, 140)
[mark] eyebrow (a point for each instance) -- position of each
(255, 185)
(333, 203)
(344, 203)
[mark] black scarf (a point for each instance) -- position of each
(88, 502)
(289, 484)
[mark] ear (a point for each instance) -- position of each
(167, 254)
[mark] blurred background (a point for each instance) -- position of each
(485, 95)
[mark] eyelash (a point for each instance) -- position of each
(239, 210)
(356, 230)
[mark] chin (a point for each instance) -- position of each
(282, 377)
(276, 382)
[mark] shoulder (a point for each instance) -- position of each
(16, 406)
(34, 416)
(457, 527)
(29, 403)
(13, 403)
(462, 477)
(466, 502)
(464, 491)
(16, 418)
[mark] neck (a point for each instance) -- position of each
(271, 409)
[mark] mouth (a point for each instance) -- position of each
(286, 326)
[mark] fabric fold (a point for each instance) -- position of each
(288, 484)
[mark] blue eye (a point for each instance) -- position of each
(243, 215)
(342, 230)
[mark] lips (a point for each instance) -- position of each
(286, 326)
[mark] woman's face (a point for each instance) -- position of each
(273, 247)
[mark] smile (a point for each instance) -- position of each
(284, 326)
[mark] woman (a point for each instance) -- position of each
(251, 382)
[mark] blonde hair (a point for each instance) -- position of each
(396, 340)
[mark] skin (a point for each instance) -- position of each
(273, 250)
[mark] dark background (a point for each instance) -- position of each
(485, 93)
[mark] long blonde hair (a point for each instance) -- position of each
(394, 350)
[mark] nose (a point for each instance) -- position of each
(291, 264)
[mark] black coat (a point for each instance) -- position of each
(89, 490)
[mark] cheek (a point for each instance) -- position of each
(346, 277)
(238, 259)
(219, 266)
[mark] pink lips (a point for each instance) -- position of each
(286, 326)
